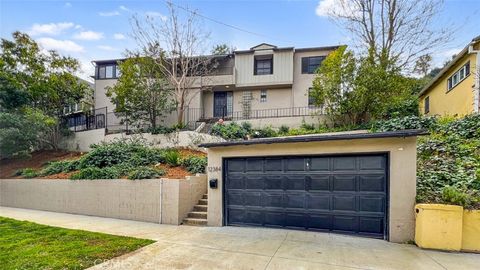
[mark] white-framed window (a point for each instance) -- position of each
(263, 96)
(458, 76)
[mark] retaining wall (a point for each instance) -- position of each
(164, 201)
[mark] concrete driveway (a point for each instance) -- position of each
(187, 247)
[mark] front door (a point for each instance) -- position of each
(222, 104)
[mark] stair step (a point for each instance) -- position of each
(195, 221)
(205, 196)
(200, 208)
(203, 201)
(195, 214)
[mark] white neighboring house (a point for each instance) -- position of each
(264, 82)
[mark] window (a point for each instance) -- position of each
(311, 98)
(263, 96)
(310, 64)
(427, 105)
(458, 76)
(108, 72)
(263, 65)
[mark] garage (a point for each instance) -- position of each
(356, 183)
(346, 194)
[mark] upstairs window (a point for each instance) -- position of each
(263, 65)
(310, 64)
(427, 105)
(108, 71)
(458, 76)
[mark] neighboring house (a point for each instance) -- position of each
(455, 90)
(262, 82)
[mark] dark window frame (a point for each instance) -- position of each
(261, 59)
(102, 74)
(308, 67)
(426, 104)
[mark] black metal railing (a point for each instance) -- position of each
(264, 113)
(86, 120)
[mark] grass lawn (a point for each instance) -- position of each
(28, 245)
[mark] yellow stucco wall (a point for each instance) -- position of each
(459, 100)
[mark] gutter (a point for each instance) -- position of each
(476, 87)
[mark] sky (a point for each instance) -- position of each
(100, 29)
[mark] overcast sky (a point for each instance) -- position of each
(95, 29)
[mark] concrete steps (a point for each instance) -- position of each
(198, 216)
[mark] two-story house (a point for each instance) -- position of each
(263, 82)
(455, 90)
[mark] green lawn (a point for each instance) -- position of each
(28, 245)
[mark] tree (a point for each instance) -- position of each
(392, 32)
(141, 93)
(423, 64)
(37, 83)
(222, 49)
(354, 90)
(176, 43)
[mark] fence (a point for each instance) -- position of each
(192, 117)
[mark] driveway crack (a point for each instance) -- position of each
(271, 258)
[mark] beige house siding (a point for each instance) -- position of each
(101, 99)
(282, 69)
(402, 172)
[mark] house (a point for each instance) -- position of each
(263, 82)
(455, 90)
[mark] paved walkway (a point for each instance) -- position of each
(186, 247)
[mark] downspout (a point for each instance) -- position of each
(476, 87)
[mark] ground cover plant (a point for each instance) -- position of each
(27, 245)
(448, 160)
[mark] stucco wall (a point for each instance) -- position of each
(402, 170)
(164, 201)
(459, 100)
(81, 141)
(101, 99)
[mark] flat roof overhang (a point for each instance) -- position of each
(322, 137)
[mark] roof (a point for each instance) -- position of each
(444, 70)
(321, 137)
(114, 61)
(325, 48)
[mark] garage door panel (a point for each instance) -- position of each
(235, 181)
(375, 204)
(345, 223)
(344, 163)
(295, 164)
(294, 182)
(319, 164)
(344, 183)
(319, 183)
(254, 182)
(373, 183)
(345, 194)
(273, 164)
(344, 203)
(236, 165)
(273, 182)
(252, 198)
(371, 225)
(319, 202)
(292, 200)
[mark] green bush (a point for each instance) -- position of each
(306, 126)
(28, 173)
(408, 122)
(92, 173)
(231, 131)
(145, 172)
(55, 167)
(283, 129)
(195, 164)
(266, 132)
(112, 153)
(147, 156)
(161, 130)
(171, 157)
(468, 127)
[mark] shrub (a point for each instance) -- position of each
(408, 122)
(172, 157)
(265, 132)
(161, 130)
(147, 156)
(468, 127)
(144, 172)
(96, 173)
(28, 173)
(231, 131)
(283, 129)
(306, 126)
(112, 153)
(247, 126)
(195, 164)
(55, 167)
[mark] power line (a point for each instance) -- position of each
(222, 23)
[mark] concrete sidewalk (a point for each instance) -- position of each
(186, 247)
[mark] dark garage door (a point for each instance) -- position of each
(345, 194)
